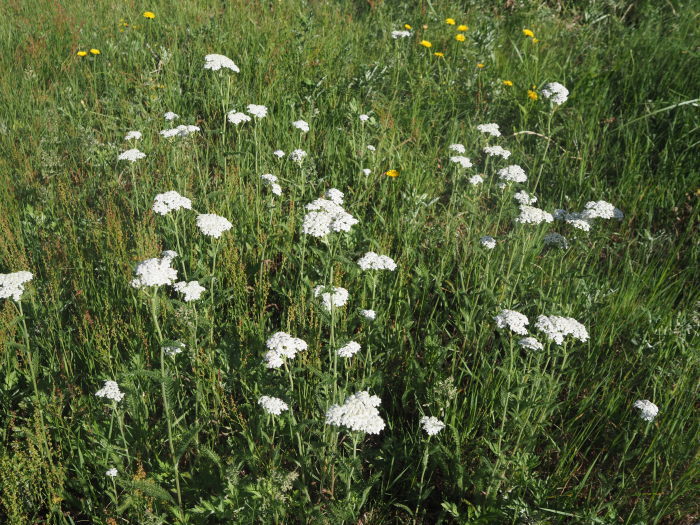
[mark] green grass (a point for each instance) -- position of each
(531, 437)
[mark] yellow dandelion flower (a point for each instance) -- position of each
(95, 51)
(462, 28)
(425, 43)
(532, 95)
(149, 14)
(480, 65)
(535, 40)
(508, 83)
(392, 173)
(528, 32)
(439, 54)
(460, 37)
(82, 53)
(406, 26)
(450, 21)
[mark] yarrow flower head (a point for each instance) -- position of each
(12, 284)
(257, 110)
(364, 118)
(179, 131)
(600, 210)
(556, 239)
(459, 148)
(555, 92)
(132, 155)
(111, 473)
(372, 261)
(532, 215)
(213, 225)
(335, 195)
(349, 349)
(490, 129)
(335, 298)
(133, 135)
(465, 162)
(170, 115)
(110, 390)
(325, 216)
(400, 34)
(278, 153)
(514, 321)
(298, 156)
(173, 349)
(431, 425)
(370, 315)
(512, 173)
(358, 412)
(273, 405)
(496, 151)
(236, 117)
(155, 271)
(302, 125)
(647, 410)
(556, 328)
(366, 171)
(281, 344)
(191, 290)
(169, 201)
(271, 181)
(476, 180)
(530, 343)
(488, 242)
(216, 62)
(525, 198)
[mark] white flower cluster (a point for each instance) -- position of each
(279, 153)
(431, 425)
(465, 162)
(513, 173)
(371, 148)
(132, 155)
(298, 156)
(532, 215)
(530, 343)
(557, 328)
(555, 92)
(336, 299)
(476, 180)
(133, 135)
(372, 261)
(191, 290)
(169, 115)
(325, 216)
(257, 110)
(647, 409)
(111, 473)
(213, 225)
(179, 131)
(400, 34)
(491, 129)
(364, 118)
(556, 239)
(600, 210)
(155, 271)
(514, 321)
(366, 171)
(496, 151)
(459, 148)
(273, 405)
(271, 181)
(370, 315)
(12, 284)
(173, 349)
(335, 195)
(488, 242)
(302, 125)
(358, 413)
(216, 62)
(110, 391)
(349, 349)
(169, 201)
(525, 198)
(281, 344)
(236, 117)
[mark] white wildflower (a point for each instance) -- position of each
(325, 216)
(496, 151)
(513, 173)
(281, 344)
(216, 62)
(458, 148)
(647, 409)
(237, 117)
(273, 405)
(173, 349)
(555, 92)
(111, 473)
(179, 131)
(465, 162)
(491, 129)
(335, 298)
(600, 210)
(556, 239)
(488, 242)
(271, 181)
(171, 116)
(110, 390)
(514, 321)
(364, 118)
(298, 155)
(278, 153)
(370, 315)
(366, 171)
(132, 155)
(213, 225)
(133, 135)
(400, 34)
(371, 148)
(191, 290)
(530, 343)
(12, 284)
(169, 201)
(257, 110)
(431, 425)
(531, 215)
(349, 349)
(577, 221)
(524, 197)
(476, 180)
(372, 261)
(556, 328)
(358, 413)
(302, 125)
(335, 195)
(155, 271)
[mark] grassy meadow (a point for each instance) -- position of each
(530, 436)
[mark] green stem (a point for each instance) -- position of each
(166, 406)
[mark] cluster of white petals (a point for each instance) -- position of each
(155, 271)
(459, 148)
(169, 201)
(213, 225)
(216, 62)
(532, 215)
(335, 298)
(349, 349)
(132, 155)
(555, 92)
(530, 343)
(465, 162)
(173, 349)
(400, 34)
(371, 148)
(431, 425)
(169, 115)
(496, 151)
(600, 210)
(370, 315)
(298, 156)
(358, 413)
(191, 290)
(281, 344)
(525, 198)
(476, 180)
(556, 328)
(110, 390)
(488, 242)
(12, 284)
(111, 473)
(491, 129)
(325, 216)
(133, 135)
(271, 181)
(257, 110)
(366, 171)
(373, 261)
(236, 117)
(514, 321)
(279, 153)
(302, 125)
(273, 405)
(180, 131)
(647, 409)
(364, 118)
(513, 173)
(335, 195)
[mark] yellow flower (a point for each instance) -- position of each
(462, 28)
(95, 51)
(528, 32)
(82, 53)
(480, 65)
(149, 14)
(425, 43)
(392, 173)
(508, 83)
(460, 37)
(535, 40)
(450, 21)
(532, 95)
(439, 54)
(406, 26)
